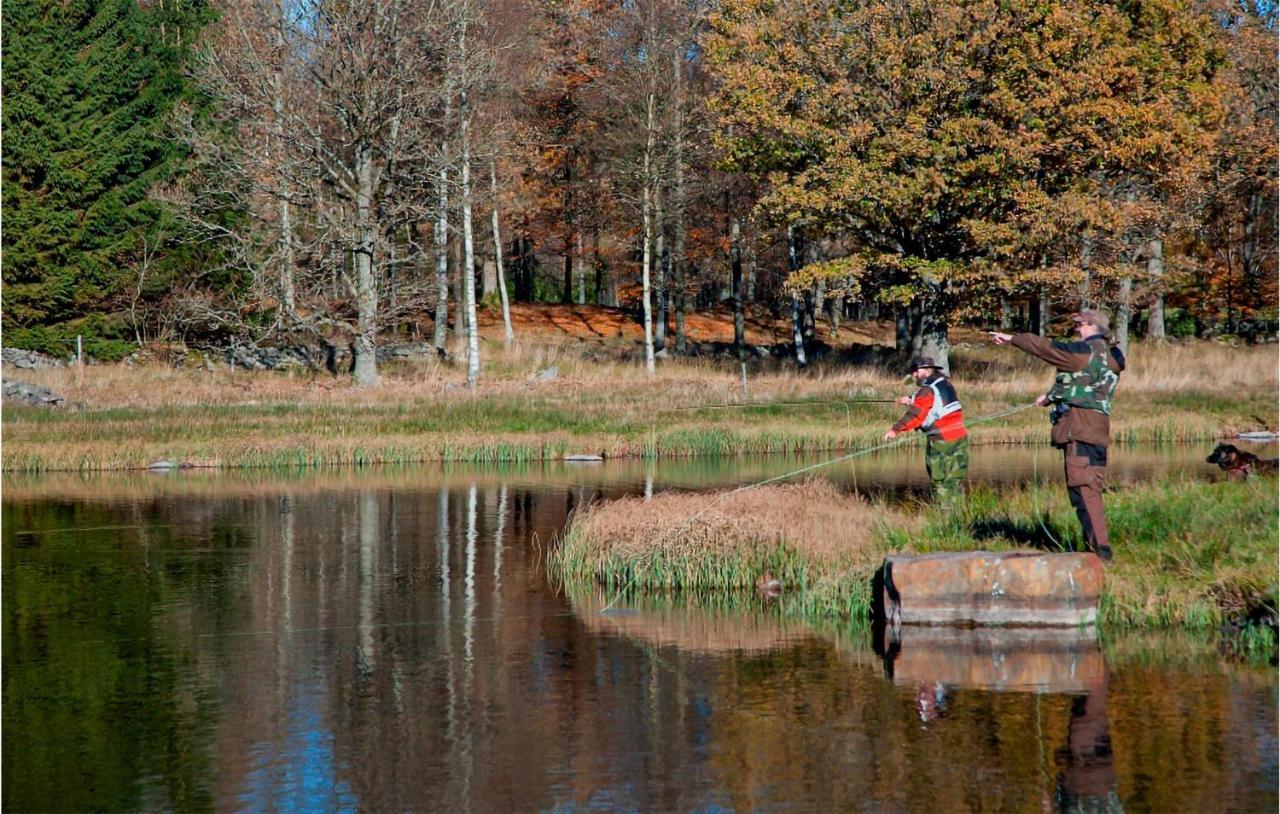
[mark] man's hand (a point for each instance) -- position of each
(999, 338)
(1042, 401)
(905, 400)
(890, 435)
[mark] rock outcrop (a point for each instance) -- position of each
(992, 588)
(28, 359)
(33, 394)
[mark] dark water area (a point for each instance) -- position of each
(384, 640)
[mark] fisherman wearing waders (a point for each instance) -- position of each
(935, 410)
(1088, 371)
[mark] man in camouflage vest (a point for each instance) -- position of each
(1080, 399)
(935, 410)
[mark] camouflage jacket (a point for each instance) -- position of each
(1086, 387)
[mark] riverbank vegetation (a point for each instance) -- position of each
(543, 402)
(1188, 554)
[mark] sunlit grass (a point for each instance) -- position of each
(127, 417)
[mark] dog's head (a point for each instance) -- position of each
(1226, 456)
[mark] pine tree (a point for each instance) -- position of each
(88, 86)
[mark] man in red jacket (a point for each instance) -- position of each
(935, 410)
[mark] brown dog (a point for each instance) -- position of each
(1239, 463)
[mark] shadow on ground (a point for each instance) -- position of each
(1042, 534)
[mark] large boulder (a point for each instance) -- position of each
(992, 588)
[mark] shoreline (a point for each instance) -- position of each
(1178, 566)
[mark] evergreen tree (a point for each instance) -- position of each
(87, 88)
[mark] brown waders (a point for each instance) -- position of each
(1086, 470)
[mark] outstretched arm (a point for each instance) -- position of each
(1055, 353)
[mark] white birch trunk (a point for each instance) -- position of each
(442, 262)
(468, 253)
(508, 335)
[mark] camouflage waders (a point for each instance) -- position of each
(948, 465)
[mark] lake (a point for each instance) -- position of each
(388, 639)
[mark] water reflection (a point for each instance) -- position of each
(396, 646)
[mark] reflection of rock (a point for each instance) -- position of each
(1042, 660)
(685, 624)
(993, 588)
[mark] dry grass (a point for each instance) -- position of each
(812, 518)
(126, 417)
(821, 544)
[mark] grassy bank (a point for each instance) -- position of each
(1190, 555)
(121, 417)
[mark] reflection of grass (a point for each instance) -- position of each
(131, 416)
(1188, 555)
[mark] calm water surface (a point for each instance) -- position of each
(385, 640)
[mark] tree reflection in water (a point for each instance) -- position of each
(396, 646)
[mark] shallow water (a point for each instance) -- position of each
(388, 639)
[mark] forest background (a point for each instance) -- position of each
(280, 172)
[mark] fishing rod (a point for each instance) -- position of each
(778, 404)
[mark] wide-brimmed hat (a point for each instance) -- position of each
(1094, 317)
(922, 361)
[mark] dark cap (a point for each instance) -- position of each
(922, 361)
(1098, 319)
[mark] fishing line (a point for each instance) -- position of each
(746, 487)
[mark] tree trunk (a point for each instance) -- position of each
(287, 294)
(468, 252)
(508, 335)
(581, 268)
(647, 214)
(1006, 314)
(660, 254)
(606, 294)
(442, 263)
(566, 292)
(1042, 313)
(1155, 275)
(735, 271)
(1120, 328)
(932, 334)
(678, 238)
(366, 360)
(902, 330)
(459, 284)
(797, 306)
